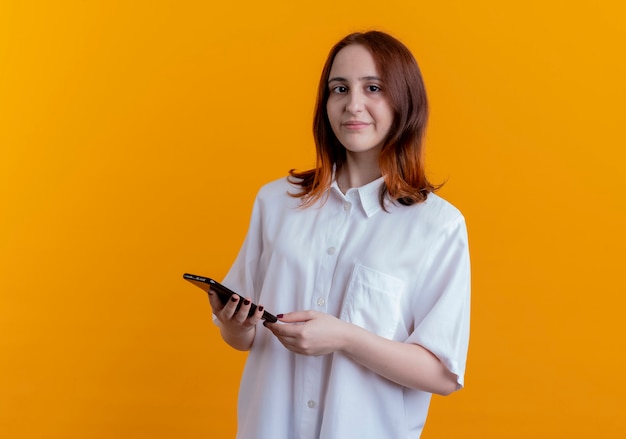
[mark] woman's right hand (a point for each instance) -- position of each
(237, 329)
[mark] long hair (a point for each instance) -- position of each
(401, 159)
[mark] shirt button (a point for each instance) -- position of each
(347, 206)
(321, 301)
(311, 404)
(331, 250)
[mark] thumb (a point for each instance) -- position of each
(215, 302)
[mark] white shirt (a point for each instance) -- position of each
(402, 274)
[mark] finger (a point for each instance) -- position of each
(285, 331)
(242, 313)
(296, 316)
(256, 317)
(214, 300)
(230, 307)
(274, 328)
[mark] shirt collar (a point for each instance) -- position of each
(368, 195)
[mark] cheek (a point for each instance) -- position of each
(387, 116)
(331, 111)
(331, 119)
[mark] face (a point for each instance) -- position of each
(358, 110)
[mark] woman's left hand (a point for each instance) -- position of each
(309, 332)
(410, 365)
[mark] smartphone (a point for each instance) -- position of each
(206, 283)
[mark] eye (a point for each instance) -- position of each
(339, 89)
(373, 88)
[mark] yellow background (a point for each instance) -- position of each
(133, 138)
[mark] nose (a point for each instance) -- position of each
(355, 102)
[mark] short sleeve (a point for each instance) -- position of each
(243, 274)
(445, 291)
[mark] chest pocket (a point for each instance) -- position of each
(373, 301)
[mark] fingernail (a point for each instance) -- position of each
(260, 308)
(280, 316)
(234, 298)
(246, 302)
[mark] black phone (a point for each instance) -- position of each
(206, 283)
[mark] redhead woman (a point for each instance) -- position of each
(368, 266)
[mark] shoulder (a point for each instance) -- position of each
(276, 188)
(277, 192)
(280, 185)
(437, 212)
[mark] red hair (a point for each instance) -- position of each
(401, 159)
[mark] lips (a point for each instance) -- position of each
(355, 124)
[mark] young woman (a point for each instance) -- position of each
(368, 265)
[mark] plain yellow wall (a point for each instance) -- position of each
(133, 138)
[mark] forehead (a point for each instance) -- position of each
(354, 60)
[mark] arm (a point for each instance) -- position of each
(432, 359)
(407, 364)
(410, 365)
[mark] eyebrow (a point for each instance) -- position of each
(362, 78)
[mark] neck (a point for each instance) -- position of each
(357, 171)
